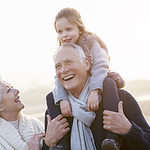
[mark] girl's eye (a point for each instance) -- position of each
(68, 29)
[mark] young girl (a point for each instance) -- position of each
(70, 29)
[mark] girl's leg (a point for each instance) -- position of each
(110, 102)
(110, 95)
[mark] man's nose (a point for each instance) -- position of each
(64, 69)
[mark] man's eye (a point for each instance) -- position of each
(58, 66)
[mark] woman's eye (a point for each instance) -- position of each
(8, 90)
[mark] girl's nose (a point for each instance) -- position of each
(64, 34)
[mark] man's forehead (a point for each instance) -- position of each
(65, 53)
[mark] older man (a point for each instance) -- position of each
(20, 132)
(87, 133)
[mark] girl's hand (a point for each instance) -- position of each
(65, 107)
(94, 100)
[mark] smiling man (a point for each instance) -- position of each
(71, 69)
(88, 128)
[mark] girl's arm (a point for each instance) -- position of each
(59, 92)
(100, 66)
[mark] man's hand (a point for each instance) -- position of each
(56, 129)
(93, 101)
(65, 108)
(34, 143)
(116, 122)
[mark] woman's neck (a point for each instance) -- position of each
(10, 116)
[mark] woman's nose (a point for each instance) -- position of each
(16, 91)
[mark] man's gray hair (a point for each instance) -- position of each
(78, 49)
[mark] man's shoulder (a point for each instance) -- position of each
(50, 99)
(49, 95)
(52, 109)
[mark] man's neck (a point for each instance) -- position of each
(76, 92)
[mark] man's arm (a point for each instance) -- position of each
(130, 123)
(139, 136)
(140, 131)
(56, 129)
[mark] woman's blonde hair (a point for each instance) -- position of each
(1, 90)
(73, 16)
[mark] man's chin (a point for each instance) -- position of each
(68, 87)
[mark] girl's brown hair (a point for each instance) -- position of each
(73, 16)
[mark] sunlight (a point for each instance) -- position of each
(28, 38)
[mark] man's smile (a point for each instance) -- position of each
(68, 77)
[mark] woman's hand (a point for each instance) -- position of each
(34, 143)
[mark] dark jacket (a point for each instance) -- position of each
(138, 137)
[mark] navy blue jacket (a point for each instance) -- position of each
(138, 137)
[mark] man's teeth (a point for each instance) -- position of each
(68, 77)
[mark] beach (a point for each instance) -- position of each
(35, 98)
